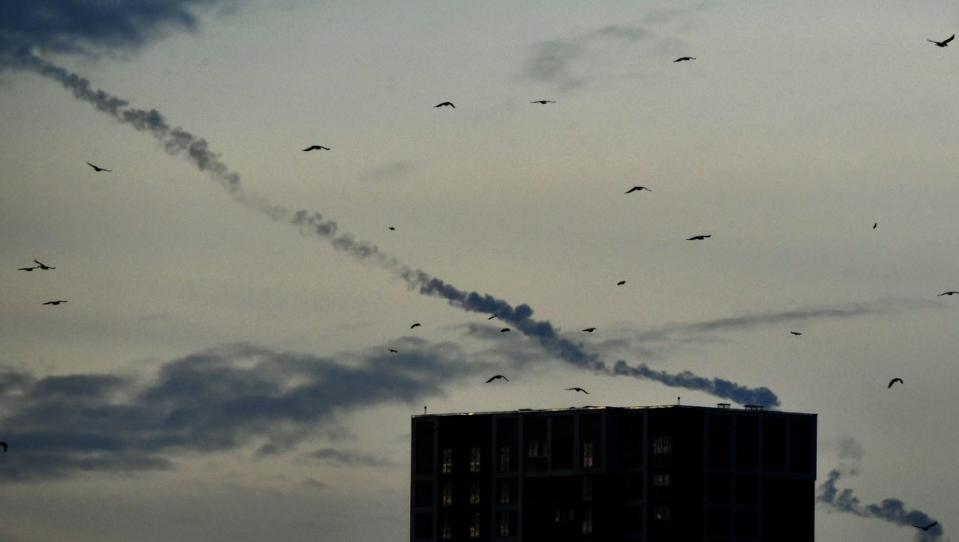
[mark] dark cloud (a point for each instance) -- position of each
(388, 171)
(340, 457)
(95, 26)
(561, 62)
(212, 401)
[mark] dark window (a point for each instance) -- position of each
(632, 429)
(587, 455)
(423, 492)
(562, 451)
(747, 442)
(774, 443)
(662, 479)
(719, 488)
(474, 492)
(505, 454)
(475, 454)
(662, 444)
(424, 448)
(564, 515)
(475, 525)
(587, 523)
(587, 488)
(747, 490)
(423, 526)
(720, 442)
(505, 523)
(505, 491)
(746, 523)
(447, 493)
(802, 447)
(447, 460)
(634, 486)
(717, 522)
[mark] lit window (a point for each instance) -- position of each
(475, 526)
(661, 513)
(504, 491)
(447, 532)
(587, 521)
(475, 492)
(504, 518)
(587, 488)
(504, 456)
(474, 459)
(447, 493)
(587, 455)
(447, 460)
(662, 480)
(662, 444)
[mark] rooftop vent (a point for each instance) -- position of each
(722, 405)
(753, 407)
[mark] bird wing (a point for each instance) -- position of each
(952, 37)
(93, 166)
(933, 41)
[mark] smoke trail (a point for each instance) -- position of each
(177, 141)
(891, 510)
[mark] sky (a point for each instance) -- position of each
(221, 370)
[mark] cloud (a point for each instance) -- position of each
(310, 483)
(212, 401)
(94, 27)
(387, 171)
(335, 456)
(891, 510)
(561, 62)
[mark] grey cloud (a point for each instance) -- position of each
(348, 457)
(211, 401)
(388, 170)
(95, 26)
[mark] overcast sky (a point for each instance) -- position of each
(221, 371)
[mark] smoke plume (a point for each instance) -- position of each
(179, 142)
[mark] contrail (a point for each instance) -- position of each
(177, 141)
(891, 510)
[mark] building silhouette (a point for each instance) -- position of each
(598, 474)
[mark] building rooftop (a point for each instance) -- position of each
(719, 406)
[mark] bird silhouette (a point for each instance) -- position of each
(893, 381)
(796, 333)
(578, 389)
(445, 104)
(394, 351)
(43, 266)
(638, 189)
(98, 169)
(27, 268)
(620, 283)
(684, 59)
(4, 444)
(55, 302)
(927, 527)
(943, 43)
(316, 148)
(391, 228)
(504, 330)
(950, 292)
(875, 225)
(497, 377)
(589, 329)
(544, 102)
(491, 317)
(417, 324)
(698, 237)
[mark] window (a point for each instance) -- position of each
(447, 493)
(661, 513)
(504, 520)
(504, 456)
(534, 449)
(662, 444)
(474, 459)
(587, 455)
(587, 526)
(447, 532)
(475, 492)
(505, 491)
(587, 488)
(564, 515)
(662, 480)
(447, 460)
(475, 526)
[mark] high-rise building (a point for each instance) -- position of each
(603, 474)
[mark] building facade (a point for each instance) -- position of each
(598, 474)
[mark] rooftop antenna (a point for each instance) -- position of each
(424, 409)
(677, 400)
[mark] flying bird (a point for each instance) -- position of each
(445, 104)
(391, 228)
(934, 523)
(544, 102)
(98, 169)
(497, 377)
(578, 389)
(796, 333)
(950, 292)
(684, 59)
(638, 189)
(491, 317)
(27, 268)
(620, 283)
(698, 237)
(589, 330)
(4, 444)
(893, 381)
(943, 43)
(55, 302)
(316, 148)
(417, 324)
(394, 351)
(43, 266)
(875, 225)
(504, 330)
